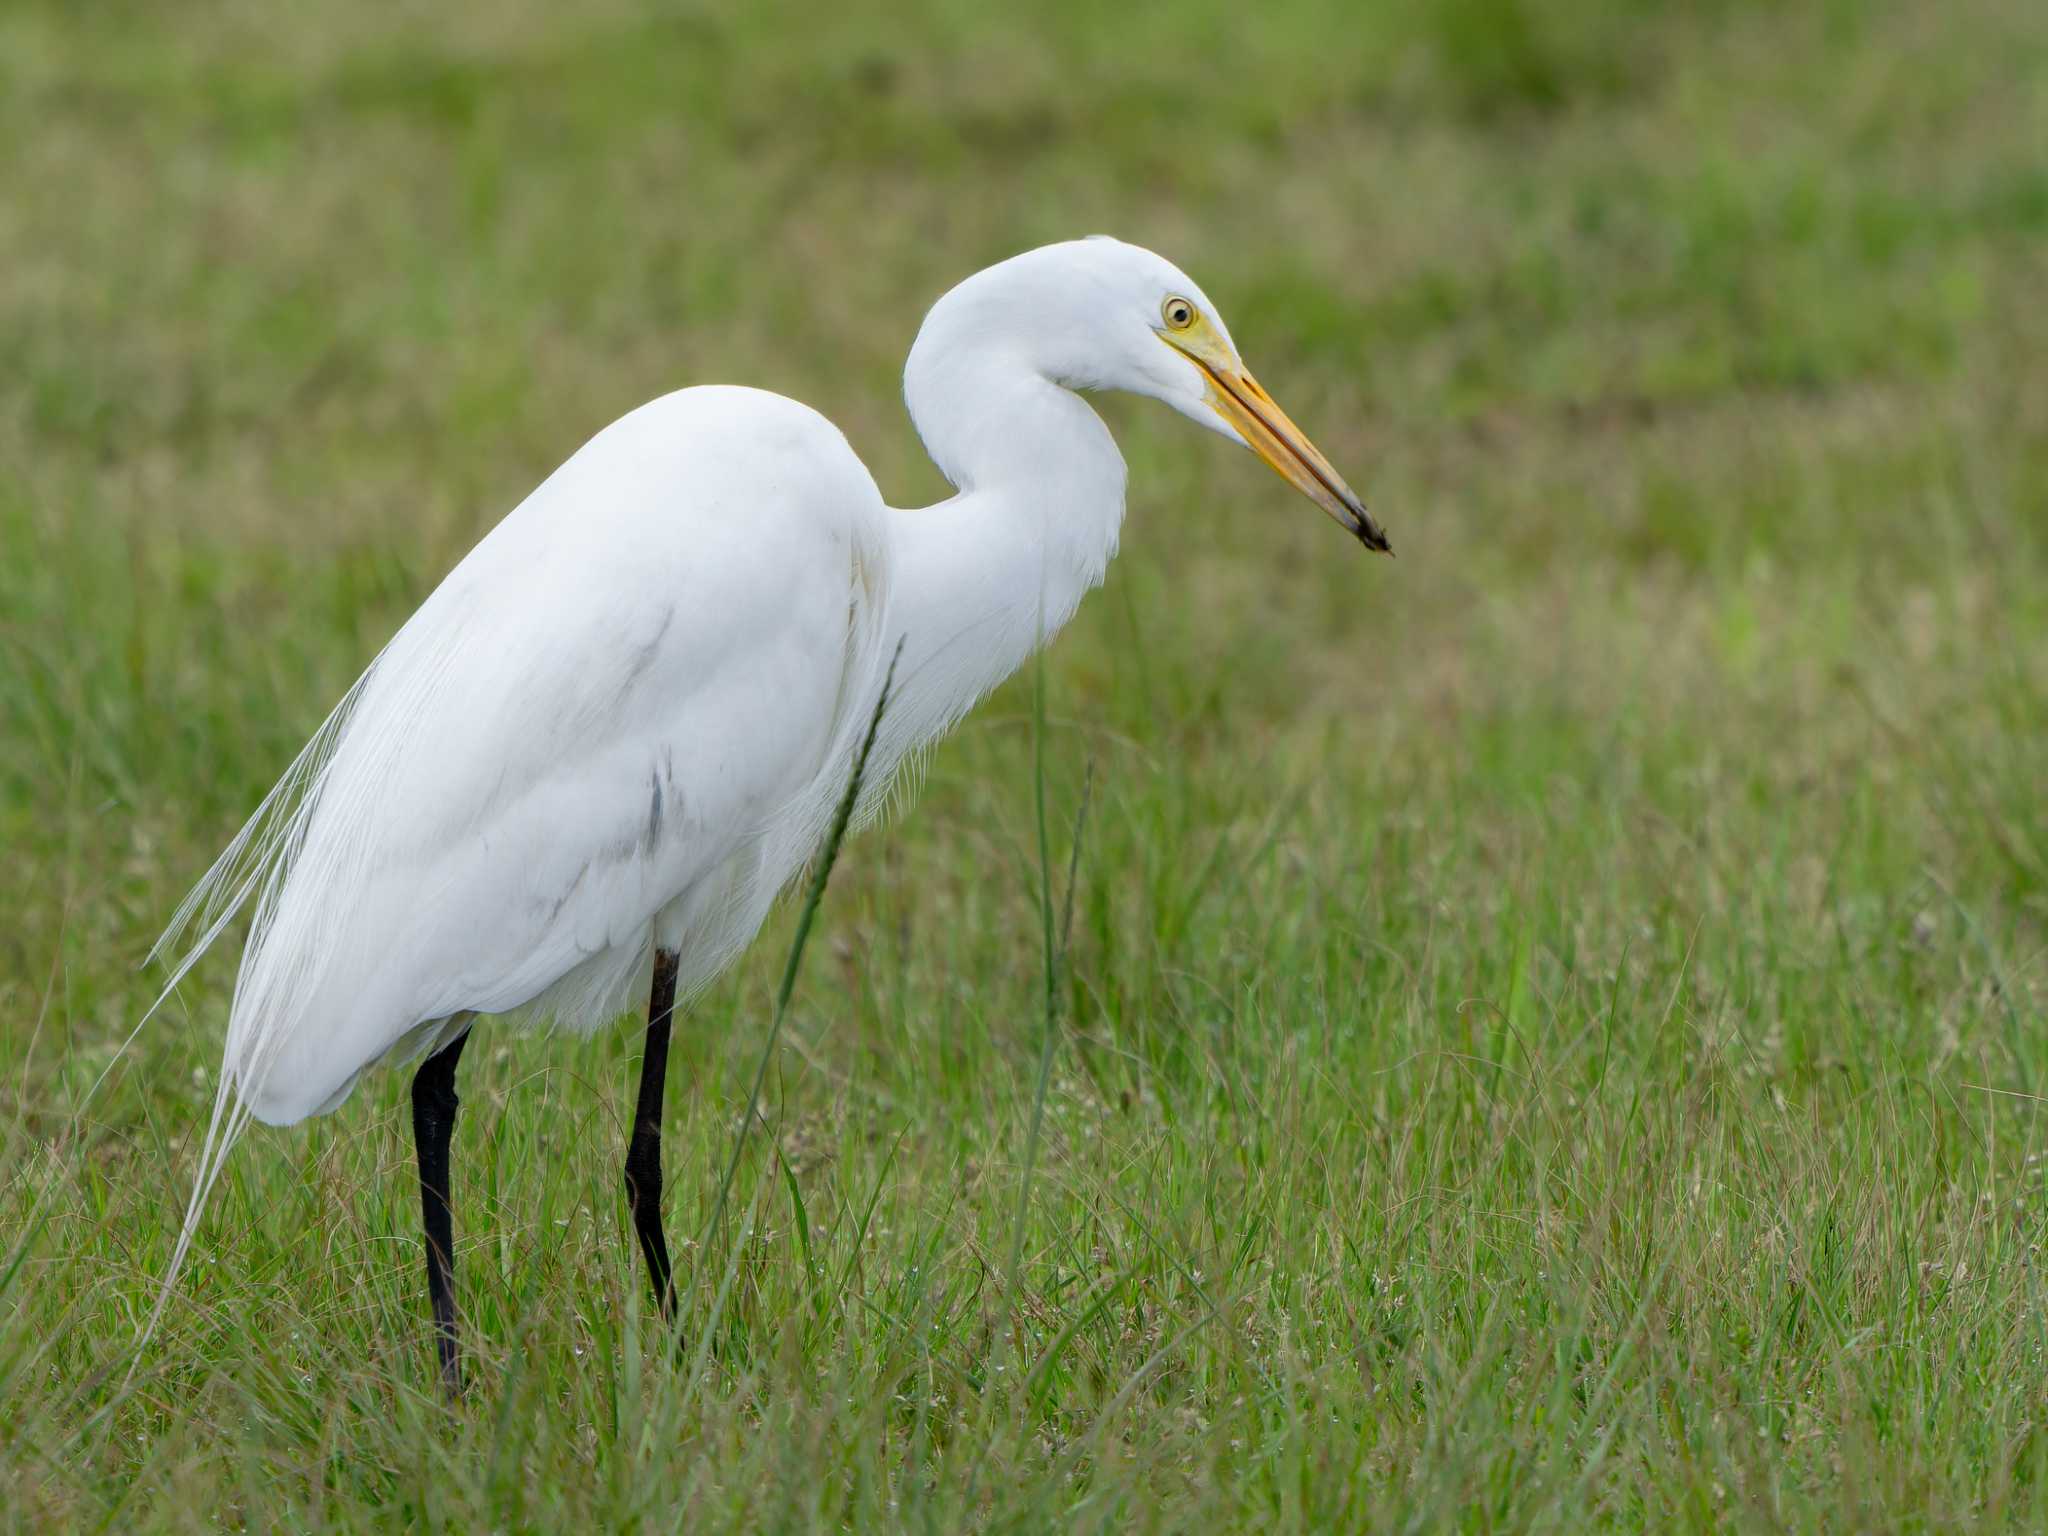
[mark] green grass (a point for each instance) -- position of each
(1554, 1028)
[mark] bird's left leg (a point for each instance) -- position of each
(433, 1124)
(643, 1152)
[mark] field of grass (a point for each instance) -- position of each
(1554, 1028)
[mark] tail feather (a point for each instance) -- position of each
(253, 864)
(258, 852)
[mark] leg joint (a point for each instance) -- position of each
(643, 1170)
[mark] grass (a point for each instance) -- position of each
(1552, 1028)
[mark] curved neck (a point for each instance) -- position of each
(981, 580)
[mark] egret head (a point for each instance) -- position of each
(1103, 314)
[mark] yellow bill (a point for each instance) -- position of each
(1240, 400)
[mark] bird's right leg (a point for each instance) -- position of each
(433, 1124)
(643, 1152)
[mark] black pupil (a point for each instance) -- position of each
(1180, 313)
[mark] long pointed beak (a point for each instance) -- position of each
(1240, 400)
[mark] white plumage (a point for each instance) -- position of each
(611, 722)
(622, 721)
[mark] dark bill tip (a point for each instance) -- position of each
(1368, 532)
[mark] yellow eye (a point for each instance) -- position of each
(1178, 313)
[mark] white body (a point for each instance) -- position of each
(623, 720)
(618, 722)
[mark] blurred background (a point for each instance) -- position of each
(1690, 755)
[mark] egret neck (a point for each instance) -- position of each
(987, 576)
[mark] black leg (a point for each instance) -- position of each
(433, 1122)
(643, 1153)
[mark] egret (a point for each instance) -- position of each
(582, 771)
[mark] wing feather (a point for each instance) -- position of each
(625, 699)
(637, 672)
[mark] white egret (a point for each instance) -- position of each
(582, 771)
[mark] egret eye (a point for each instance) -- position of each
(1178, 313)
